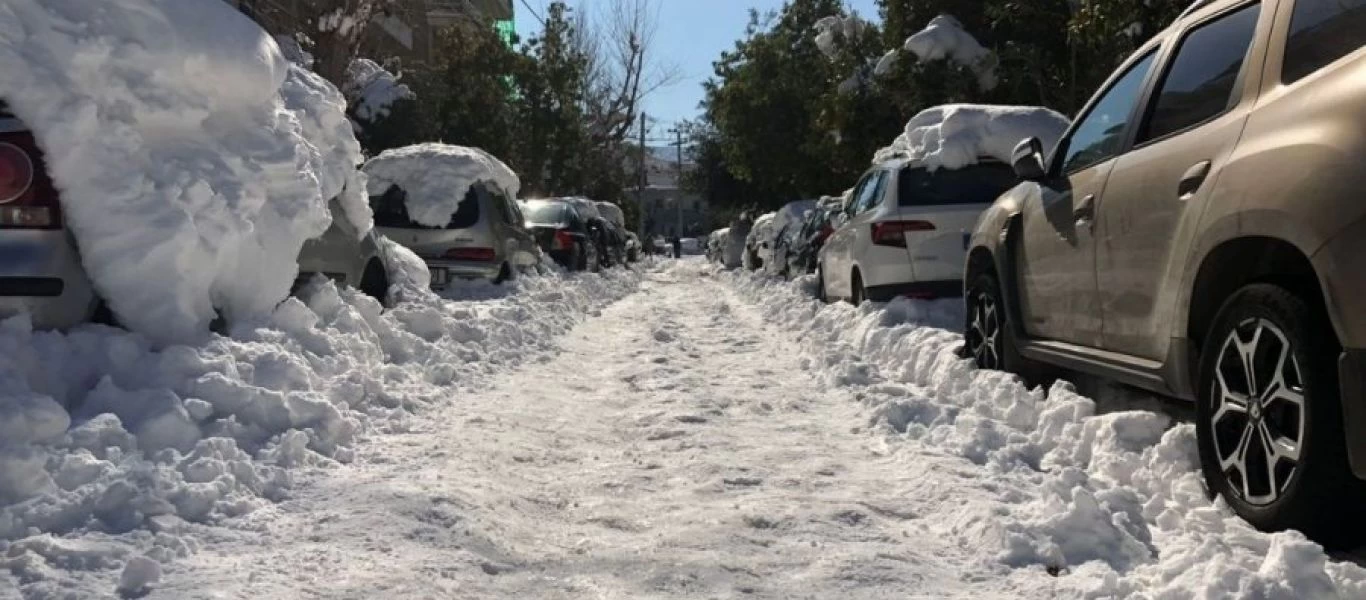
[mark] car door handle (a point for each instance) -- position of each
(1192, 180)
(1085, 211)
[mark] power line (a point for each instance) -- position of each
(533, 12)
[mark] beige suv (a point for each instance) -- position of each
(1201, 232)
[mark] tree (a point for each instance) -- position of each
(337, 28)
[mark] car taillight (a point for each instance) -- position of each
(892, 233)
(27, 198)
(480, 254)
(563, 240)
(825, 232)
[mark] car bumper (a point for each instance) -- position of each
(1352, 384)
(444, 272)
(927, 290)
(42, 276)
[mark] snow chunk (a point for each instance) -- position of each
(832, 29)
(436, 178)
(373, 89)
(954, 136)
(139, 575)
(945, 39)
(887, 63)
(188, 181)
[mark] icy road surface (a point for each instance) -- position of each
(686, 443)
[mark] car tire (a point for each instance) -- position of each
(1267, 372)
(505, 274)
(986, 331)
(374, 281)
(857, 293)
(820, 285)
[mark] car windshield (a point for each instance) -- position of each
(391, 210)
(977, 184)
(549, 213)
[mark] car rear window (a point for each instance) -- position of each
(546, 212)
(391, 211)
(977, 184)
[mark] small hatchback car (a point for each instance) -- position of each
(1200, 232)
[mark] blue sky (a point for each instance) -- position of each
(692, 34)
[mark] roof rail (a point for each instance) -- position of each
(1197, 5)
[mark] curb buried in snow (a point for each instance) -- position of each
(1112, 504)
(158, 444)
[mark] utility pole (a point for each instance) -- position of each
(640, 189)
(678, 182)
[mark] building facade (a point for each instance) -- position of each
(666, 208)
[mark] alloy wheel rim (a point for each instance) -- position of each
(984, 332)
(1259, 411)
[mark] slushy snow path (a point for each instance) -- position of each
(675, 448)
(717, 435)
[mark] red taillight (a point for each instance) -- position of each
(27, 198)
(563, 240)
(825, 232)
(479, 254)
(892, 233)
(16, 172)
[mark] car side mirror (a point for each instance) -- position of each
(1027, 160)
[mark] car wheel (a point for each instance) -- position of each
(505, 274)
(820, 285)
(374, 282)
(1269, 417)
(984, 335)
(857, 295)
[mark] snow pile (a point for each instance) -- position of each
(953, 136)
(436, 177)
(373, 89)
(1109, 500)
(833, 29)
(192, 158)
(116, 455)
(945, 39)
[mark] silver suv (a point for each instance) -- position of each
(486, 238)
(1200, 232)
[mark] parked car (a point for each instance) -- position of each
(345, 257)
(755, 253)
(563, 233)
(690, 246)
(716, 244)
(783, 230)
(805, 246)
(905, 231)
(42, 273)
(1199, 232)
(486, 237)
(611, 239)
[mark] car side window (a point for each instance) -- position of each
(1322, 31)
(871, 192)
(1200, 83)
(1101, 132)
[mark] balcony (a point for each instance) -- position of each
(441, 13)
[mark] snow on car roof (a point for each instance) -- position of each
(953, 136)
(436, 178)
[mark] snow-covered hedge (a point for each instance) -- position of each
(112, 450)
(193, 160)
(954, 136)
(436, 177)
(1110, 499)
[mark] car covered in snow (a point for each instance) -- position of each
(456, 208)
(716, 244)
(1200, 232)
(757, 249)
(610, 239)
(564, 233)
(783, 232)
(804, 246)
(690, 246)
(620, 234)
(346, 257)
(42, 273)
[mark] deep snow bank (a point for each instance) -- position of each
(436, 177)
(111, 449)
(193, 159)
(953, 136)
(1111, 501)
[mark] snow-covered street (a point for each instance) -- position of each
(689, 442)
